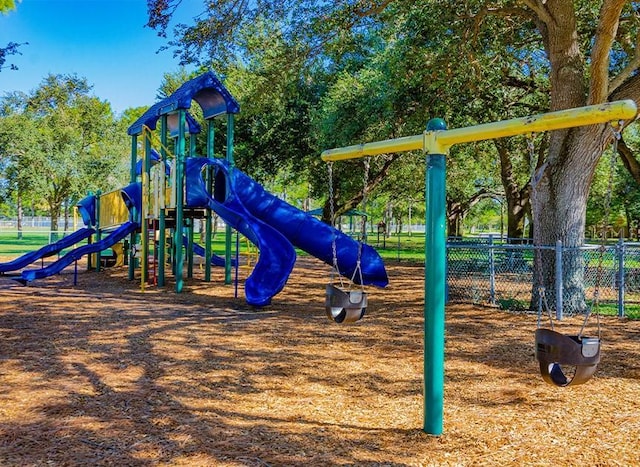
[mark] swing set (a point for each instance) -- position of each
(346, 303)
(552, 348)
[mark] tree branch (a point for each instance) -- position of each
(540, 10)
(629, 89)
(373, 10)
(629, 162)
(605, 35)
(505, 12)
(633, 64)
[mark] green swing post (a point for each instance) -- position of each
(177, 235)
(162, 228)
(434, 285)
(228, 233)
(209, 219)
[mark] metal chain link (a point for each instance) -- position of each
(363, 235)
(543, 304)
(365, 189)
(595, 305)
(334, 251)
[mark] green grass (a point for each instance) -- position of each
(631, 310)
(405, 247)
(11, 245)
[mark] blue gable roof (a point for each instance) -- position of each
(206, 90)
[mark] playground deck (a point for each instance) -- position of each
(103, 374)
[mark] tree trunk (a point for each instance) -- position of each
(560, 202)
(517, 198)
(457, 210)
(20, 215)
(55, 210)
(66, 216)
(454, 223)
(564, 180)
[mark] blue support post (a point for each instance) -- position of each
(98, 232)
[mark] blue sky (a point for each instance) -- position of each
(104, 41)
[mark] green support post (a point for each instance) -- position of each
(434, 288)
(191, 221)
(144, 210)
(90, 239)
(228, 233)
(177, 235)
(162, 241)
(209, 219)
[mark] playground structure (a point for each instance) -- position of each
(172, 186)
(435, 143)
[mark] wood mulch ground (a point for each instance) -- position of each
(103, 374)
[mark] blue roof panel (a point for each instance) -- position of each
(206, 90)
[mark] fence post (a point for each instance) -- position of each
(492, 273)
(621, 285)
(558, 280)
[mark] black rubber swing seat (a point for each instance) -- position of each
(344, 306)
(554, 350)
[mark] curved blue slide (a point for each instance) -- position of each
(77, 253)
(277, 255)
(47, 250)
(241, 201)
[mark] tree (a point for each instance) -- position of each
(12, 47)
(579, 49)
(62, 142)
(18, 145)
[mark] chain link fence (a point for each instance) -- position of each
(484, 272)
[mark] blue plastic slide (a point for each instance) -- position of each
(47, 250)
(243, 202)
(77, 253)
(200, 251)
(277, 255)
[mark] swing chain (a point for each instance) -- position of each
(367, 165)
(616, 131)
(543, 304)
(334, 250)
(363, 225)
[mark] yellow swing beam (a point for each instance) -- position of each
(439, 142)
